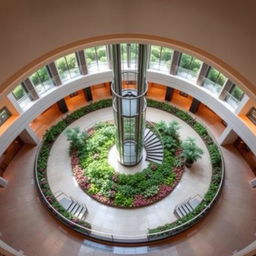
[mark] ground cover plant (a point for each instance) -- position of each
(168, 229)
(97, 178)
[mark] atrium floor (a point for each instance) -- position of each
(27, 225)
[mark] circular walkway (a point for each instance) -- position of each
(27, 225)
(130, 222)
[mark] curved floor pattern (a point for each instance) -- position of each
(27, 225)
(132, 222)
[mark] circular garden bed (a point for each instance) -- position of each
(77, 164)
(89, 153)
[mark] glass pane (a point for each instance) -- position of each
(41, 80)
(165, 60)
(214, 81)
(186, 61)
(216, 77)
(91, 60)
(96, 58)
(72, 65)
(134, 55)
(124, 56)
(102, 57)
(237, 92)
(62, 68)
(67, 67)
(189, 67)
(18, 92)
(155, 57)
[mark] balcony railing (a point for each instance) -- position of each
(187, 74)
(212, 86)
(231, 100)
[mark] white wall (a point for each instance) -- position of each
(35, 32)
(198, 92)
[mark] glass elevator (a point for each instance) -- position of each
(129, 88)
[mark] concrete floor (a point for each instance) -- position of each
(132, 222)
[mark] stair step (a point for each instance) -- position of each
(58, 194)
(75, 208)
(66, 202)
(153, 144)
(189, 207)
(154, 153)
(78, 210)
(185, 209)
(160, 158)
(147, 133)
(71, 206)
(160, 150)
(154, 148)
(154, 160)
(82, 212)
(182, 211)
(194, 203)
(179, 213)
(151, 140)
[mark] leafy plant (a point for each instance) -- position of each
(215, 155)
(77, 140)
(122, 200)
(191, 152)
(151, 191)
(51, 135)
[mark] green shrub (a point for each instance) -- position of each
(77, 140)
(215, 155)
(51, 135)
(200, 129)
(191, 152)
(121, 200)
(43, 157)
(93, 189)
(126, 190)
(151, 191)
(99, 169)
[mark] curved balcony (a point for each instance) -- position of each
(221, 107)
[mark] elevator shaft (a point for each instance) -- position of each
(129, 105)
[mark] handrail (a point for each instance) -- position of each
(229, 95)
(69, 222)
(136, 238)
(197, 217)
(156, 130)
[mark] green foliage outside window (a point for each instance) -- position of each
(134, 51)
(96, 54)
(190, 63)
(161, 55)
(237, 92)
(66, 63)
(18, 92)
(216, 77)
(40, 76)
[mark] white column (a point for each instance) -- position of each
(227, 137)
(29, 136)
(242, 104)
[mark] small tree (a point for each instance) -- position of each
(191, 152)
(77, 140)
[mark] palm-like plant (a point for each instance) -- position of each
(191, 152)
(77, 139)
(169, 129)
